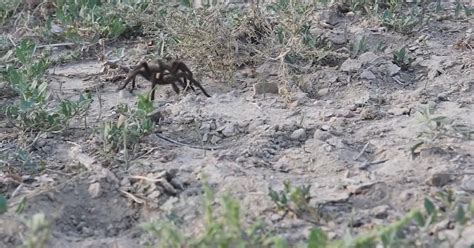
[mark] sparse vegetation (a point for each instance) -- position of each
(299, 135)
(132, 125)
(416, 229)
(436, 127)
(402, 59)
(39, 231)
(33, 112)
(223, 227)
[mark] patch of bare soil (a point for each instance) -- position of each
(347, 131)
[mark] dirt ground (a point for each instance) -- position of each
(345, 130)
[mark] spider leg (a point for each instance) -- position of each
(200, 87)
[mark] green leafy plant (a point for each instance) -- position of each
(359, 47)
(92, 19)
(419, 222)
(20, 159)
(295, 200)
(39, 232)
(32, 111)
(132, 126)
(434, 127)
(402, 59)
(223, 227)
(400, 22)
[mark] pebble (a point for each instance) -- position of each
(298, 134)
(206, 127)
(390, 68)
(380, 212)
(367, 75)
(229, 130)
(325, 127)
(95, 190)
(368, 114)
(468, 184)
(439, 179)
(351, 65)
(323, 91)
(367, 57)
(321, 135)
(215, 139)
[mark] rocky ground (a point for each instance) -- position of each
(349, 131)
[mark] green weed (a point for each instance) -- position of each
(32, 111)
(359, 47)
(132, 126)
(434, 127)
(403, 23)
(294, 200)
(402, 59)
(39, 232)
(223, 227)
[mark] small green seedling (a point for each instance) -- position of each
(402, 59)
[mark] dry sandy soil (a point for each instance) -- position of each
(345, 130)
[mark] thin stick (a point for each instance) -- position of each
(189, 145)
(361, 152)
(134, 198)
(146, 179)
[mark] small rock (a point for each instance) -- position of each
(265, 88)
(406, 195)
(229, 130)
(439, 179)
(380, 212)
(298, 134)
(351, 65)
(368, 114)
(205, 127)
(321, 135)
(390, 68)
(328, 115)
(328, 147)
(205, 137)
(323, 92)
(468, 184)
(325, 127)
(367, 57)
(56, 29)
(367, 75)
(95, 190)
(215, 139)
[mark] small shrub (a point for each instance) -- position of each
(32, 112)
(223, 227)
(402, 59)
(133, 124)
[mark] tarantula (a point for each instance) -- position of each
(160, 73)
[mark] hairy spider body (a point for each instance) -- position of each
(186, 74)
(162, 73)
